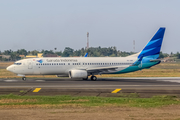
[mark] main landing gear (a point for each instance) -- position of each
(94, 78)
(24, 78)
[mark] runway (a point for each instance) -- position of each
(66, 86)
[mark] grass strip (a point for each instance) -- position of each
(156, 101)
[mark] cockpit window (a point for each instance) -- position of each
(17, 63)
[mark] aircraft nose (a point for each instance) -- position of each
(9, 68)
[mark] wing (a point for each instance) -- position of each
(106, 69)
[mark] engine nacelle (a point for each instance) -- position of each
(78, 74)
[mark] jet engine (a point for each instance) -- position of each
(78, 74)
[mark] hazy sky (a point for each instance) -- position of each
(46, 24)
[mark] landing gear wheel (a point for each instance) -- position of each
(85, 78)
(94, 78)
(24, 78)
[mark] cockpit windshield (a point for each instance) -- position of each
(17, 63)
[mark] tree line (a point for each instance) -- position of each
(69, 52)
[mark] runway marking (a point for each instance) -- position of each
(116, 90)
(176, 81)
(10, 80)
(40, 80)
(37, 90)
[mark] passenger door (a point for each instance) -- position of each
(30, 65)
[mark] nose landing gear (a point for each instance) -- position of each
(24, 78)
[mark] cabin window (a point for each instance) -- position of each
(17, 63)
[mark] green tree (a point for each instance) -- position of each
(68, 52)
(34, 52)
(22, 52)
(59, 53)
(178, 55)
(7, 52)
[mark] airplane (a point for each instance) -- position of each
(82, 67)
(86, 55)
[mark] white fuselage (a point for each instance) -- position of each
(62, 65)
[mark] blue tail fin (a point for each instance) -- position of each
(86, 55)
(154, 45)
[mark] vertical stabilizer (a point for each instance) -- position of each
(154, 45)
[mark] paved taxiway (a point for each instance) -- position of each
(57, 86)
